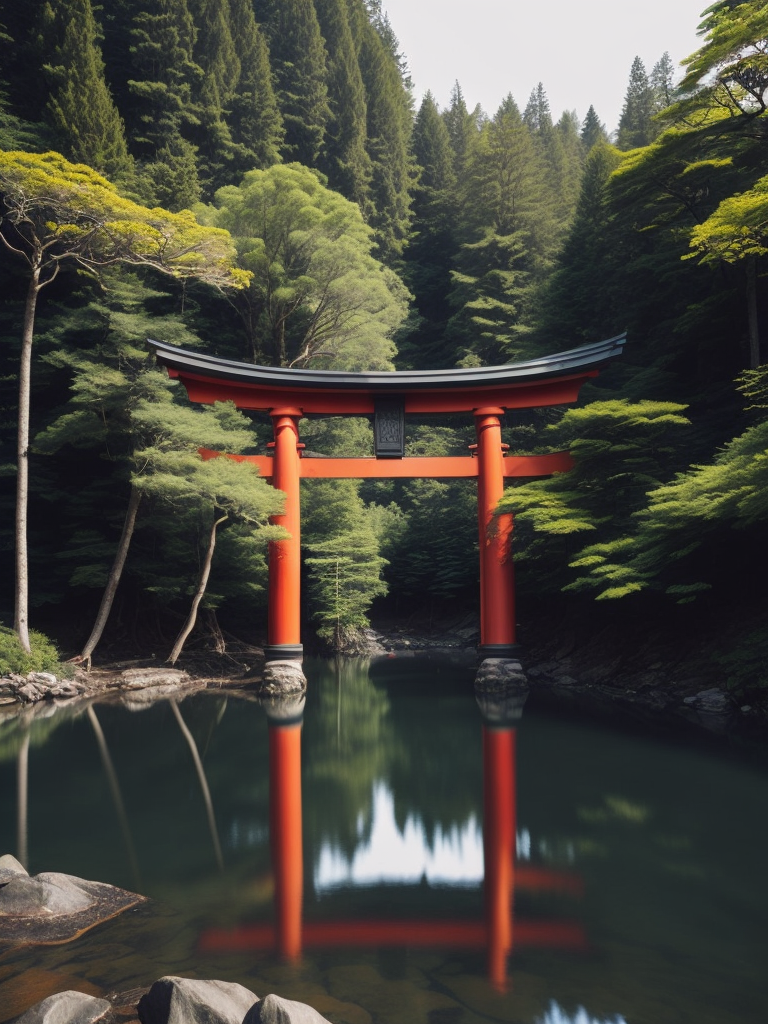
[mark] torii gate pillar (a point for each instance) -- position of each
(497, 581)
(284, 626)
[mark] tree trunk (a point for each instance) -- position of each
(205, 572)
(21, 614)
(114, 578)
(754, 330)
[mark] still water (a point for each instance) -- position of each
(391, 859)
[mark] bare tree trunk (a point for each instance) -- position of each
(114, 578)
(754, 330)
(218, 637)
(21, 614)
(205, 572)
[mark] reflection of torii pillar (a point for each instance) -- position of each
(500, 715)
(497, 582)
(284, 628)
(285, 825)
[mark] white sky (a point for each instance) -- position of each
(581, 50)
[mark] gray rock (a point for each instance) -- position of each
(44, 679)
(143, 678)
(188, 1001)
(30, 693)
(49, 893)
(276, 1010)
(66, 1008)
(496, 674)
(712, 700)
(281, 677)
(10, 867)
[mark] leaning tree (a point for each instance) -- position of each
(54, 213)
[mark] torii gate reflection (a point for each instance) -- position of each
(484, 392)
(499, 933)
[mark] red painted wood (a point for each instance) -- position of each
(552, 391)
(497, 593)
(285, 555)
(285, 831)
(419, 468)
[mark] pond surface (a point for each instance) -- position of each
(395, 860)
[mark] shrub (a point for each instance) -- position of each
(13, 657)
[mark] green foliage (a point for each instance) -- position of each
(317, 295)
(59, 211)
(90, 132)
(13, 658)
(298, 58)
(621, 450)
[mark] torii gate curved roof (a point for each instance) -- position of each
(551, 380)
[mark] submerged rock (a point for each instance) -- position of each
(188, 1001)
(66, 1008)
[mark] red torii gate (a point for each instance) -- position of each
(486, 392)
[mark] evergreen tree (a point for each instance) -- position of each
(389, 125)
(509, 237)
(216, 55)
(661, 81)
(537, 115)
(299, 64)
(463, 131)
(165, 78)
(344, 158)
(80, 108)
(635, 125)
(593, 130)
(433, 245)
(254, 120)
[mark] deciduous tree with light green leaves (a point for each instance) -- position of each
(55, 213)
(317, 296)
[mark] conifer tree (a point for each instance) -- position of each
(508, 237)
(254, 119)
(165, 77)
(635, 125)
(593, 130)
(389, 126)
(216, 56)
(81, 111)
(662, 82)
(344, 158)
(299, 64)
(433, 245)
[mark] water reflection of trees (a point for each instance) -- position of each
(358, 732)
(349, 743)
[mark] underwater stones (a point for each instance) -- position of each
(66, 1008)
(276, 1010)
(188, 1001)
(51, 907)
(281, 677)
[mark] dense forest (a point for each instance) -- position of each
(337, 223)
